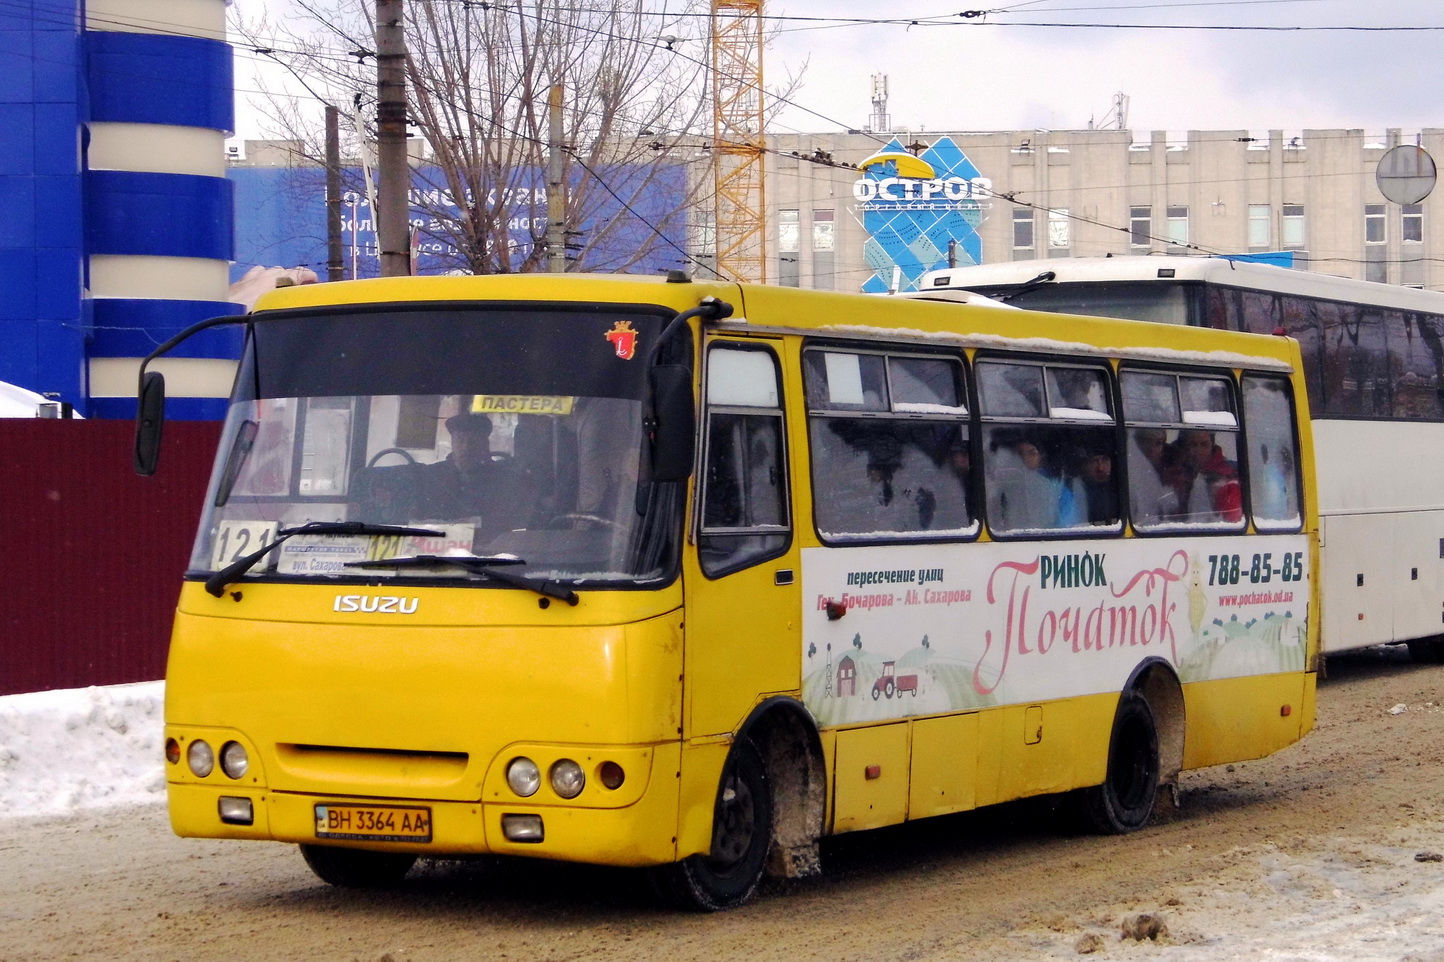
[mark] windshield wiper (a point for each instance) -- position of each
(481, 566)
(216, 583)
(1047, 277)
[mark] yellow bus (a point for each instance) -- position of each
(689, 576)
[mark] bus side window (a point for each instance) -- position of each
(744, 507)
(1049, 448)
(891, 454)
(1273, 472)
(1183, 449)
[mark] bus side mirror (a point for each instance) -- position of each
(675, 431)
(149, 419)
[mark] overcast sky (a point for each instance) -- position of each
(1007, 70)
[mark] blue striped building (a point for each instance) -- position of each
(115, 212)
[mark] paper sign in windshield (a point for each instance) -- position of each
(328, 554)
(520, 404)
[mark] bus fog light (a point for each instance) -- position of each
(568, 779)
(611, 776)
(522, 828)
(523, 776)
(200, 758)
(237, 811)
(234, 760)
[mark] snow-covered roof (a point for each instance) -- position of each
(17, 402)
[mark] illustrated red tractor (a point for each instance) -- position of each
(893, 684)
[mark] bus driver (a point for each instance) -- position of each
(470, 482)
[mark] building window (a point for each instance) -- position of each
(1178, 226)
(1260, 228)
(1293, 227)
(789, 230)
(1375, 225)
(1023, 232)
(1412, 224)
(824, 246)
(1060, 237)
(1140, 226)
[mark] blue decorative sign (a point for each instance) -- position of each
(914, 208)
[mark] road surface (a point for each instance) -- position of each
(1328, 850)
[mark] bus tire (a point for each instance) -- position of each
(354, 868)
(727, 877)
(1125, 800)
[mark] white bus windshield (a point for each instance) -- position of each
(1159, 303)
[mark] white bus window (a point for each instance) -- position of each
(925, 385)
(1078, 393)
(742, 377)
(1011, 390)
(1272, 459)
(1206, 401)
(744, 478)
(846, 381)
(1150, 397)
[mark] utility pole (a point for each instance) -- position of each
(556, 189)
(393, 218)
(335, 269)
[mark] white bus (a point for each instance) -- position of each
(1374, 364)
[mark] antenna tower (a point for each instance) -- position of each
(879, 121)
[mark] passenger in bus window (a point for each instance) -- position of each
(1023, 494)
(1096, 488)
(1151, 498)
(938, 469)
(960, 463)
(1207, 481)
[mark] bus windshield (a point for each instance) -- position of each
(503, 434)
(1166, 303)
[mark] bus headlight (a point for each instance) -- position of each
(568, 779)
(234, 760)
(523, 776)
(200, 758)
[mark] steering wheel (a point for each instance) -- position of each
(385, 451)
(595, 519)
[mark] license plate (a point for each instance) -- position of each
(373, 823)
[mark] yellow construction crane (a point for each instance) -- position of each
(738, 139)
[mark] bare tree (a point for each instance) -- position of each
(478, 75)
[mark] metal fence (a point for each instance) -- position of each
(91, 555)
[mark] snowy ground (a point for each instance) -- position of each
(81, 748)
(1366, 887)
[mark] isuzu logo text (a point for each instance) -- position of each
(383, 604)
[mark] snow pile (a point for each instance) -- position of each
(81, 748)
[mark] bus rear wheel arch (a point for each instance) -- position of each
(1145, 753)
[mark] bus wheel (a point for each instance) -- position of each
(1124, 802)
(356, 869)
(741, 833)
